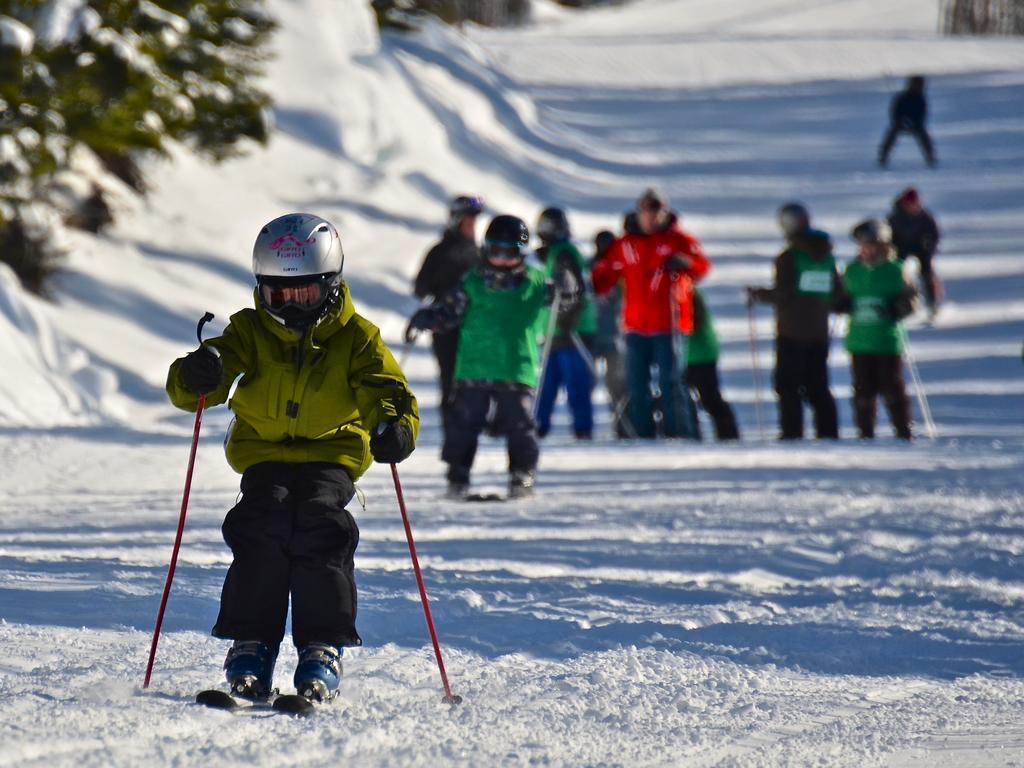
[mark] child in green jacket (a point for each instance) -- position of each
(878, 297)
(319, 397)
(497, 308)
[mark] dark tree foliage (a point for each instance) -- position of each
(122, 78)
(983, 17)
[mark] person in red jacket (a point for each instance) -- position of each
(658, 263)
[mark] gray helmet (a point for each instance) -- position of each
(296, 245)
(297, 260)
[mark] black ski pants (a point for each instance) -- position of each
(703, 379)
(446, 347)
(921, 134)
(512, 417)
(875, 375)
(290, 534)
(801, 373)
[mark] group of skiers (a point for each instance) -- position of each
(317, 395)
(637, 311)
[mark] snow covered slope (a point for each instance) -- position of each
(668, 604)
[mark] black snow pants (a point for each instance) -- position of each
(290, 534)
(512, 417)
(703, 379)
(446, 346)
(875, 375)
(801, 373)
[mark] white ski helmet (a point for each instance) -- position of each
(297, 261)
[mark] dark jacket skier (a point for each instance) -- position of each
(908, 112)
(441, 272)
(806, 288)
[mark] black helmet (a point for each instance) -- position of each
(552, 225)
(602, 242)
(507, 230)
(505, 240)
(793, 218)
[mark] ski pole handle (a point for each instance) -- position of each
(207, 317)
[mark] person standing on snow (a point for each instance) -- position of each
(878, 298)
(320, 398)
(569, 361)
(806, 288)
(658, 263)
(702, 370)
(608, 341)
(915, 233)
(442, 270)
(497, 308)
(908, 112)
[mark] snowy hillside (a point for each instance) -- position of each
(667, 604)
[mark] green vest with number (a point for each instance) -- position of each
(814, 276)
(872, 290)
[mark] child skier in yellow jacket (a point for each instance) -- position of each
(319, 397)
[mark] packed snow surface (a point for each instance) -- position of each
(657, 604)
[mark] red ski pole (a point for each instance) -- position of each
(181, 519)
(448, 697)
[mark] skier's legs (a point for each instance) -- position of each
(927, 280)
(817, 391)
(254, 601)
(894, 392)
(887, 143)
(925, 142)
(788, 377)
(579, 383)
(703, 378)
(865, 391)
(469, 415)
(549, 392)
(446, 346)
(639, 358)
(324, 540)
(512, 418)
(672, 410)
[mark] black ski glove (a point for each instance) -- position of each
(391, 442)
(424, 319)
(202, 370)
(677, 262)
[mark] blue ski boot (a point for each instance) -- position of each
(249, 668)
(319, 671)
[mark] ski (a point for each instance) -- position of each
(287, 703)
(484, 496)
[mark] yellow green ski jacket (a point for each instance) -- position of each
(309, 398)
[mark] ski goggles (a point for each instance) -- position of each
(304, 292)
(498, 250)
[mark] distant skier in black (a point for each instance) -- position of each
(915, 233)
(442, 270)
(907, 114)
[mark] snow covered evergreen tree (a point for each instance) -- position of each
(120, 78)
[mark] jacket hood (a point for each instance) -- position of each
(813, 242)
(332, 321)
